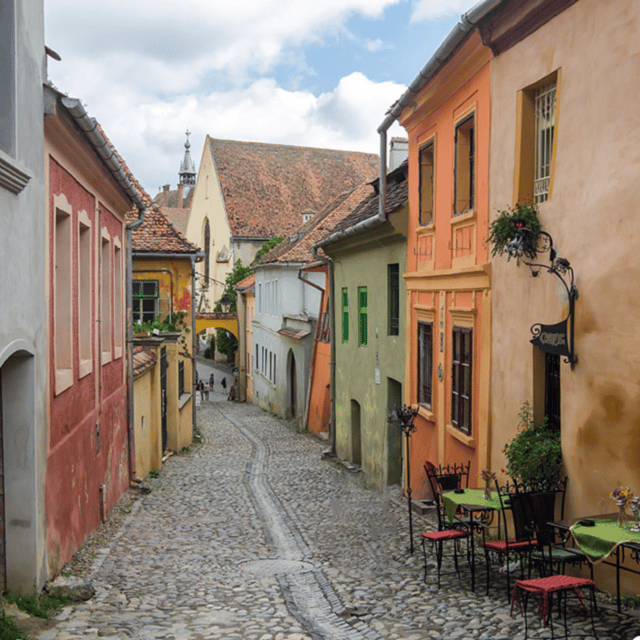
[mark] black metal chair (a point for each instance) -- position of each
(446, 532)
(510, 549)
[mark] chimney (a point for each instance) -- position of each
(398, 152)
(164, 200)
(179, 205)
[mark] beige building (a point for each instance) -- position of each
(566, 131)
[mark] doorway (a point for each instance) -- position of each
(356, 439)
(394, 433)
(292, 385)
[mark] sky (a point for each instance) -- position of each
(318, 73)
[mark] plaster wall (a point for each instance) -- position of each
(593, 219)
(23, 326)
(448, 277)
(148, 436)
(364, 373)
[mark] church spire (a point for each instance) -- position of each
(187, 171)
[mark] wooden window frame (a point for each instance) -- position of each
(427, 184)
(461, 384)
(465, 164)
(425, 364)
(345, 315)
(393, 305)
(363, 318)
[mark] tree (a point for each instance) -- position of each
(267, 246)
(238, 273)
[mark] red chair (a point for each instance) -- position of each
(446, 532)
(545, 588)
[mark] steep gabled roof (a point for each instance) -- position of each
(299, 247)
(158, 235)
(397, 194)
(266, 187)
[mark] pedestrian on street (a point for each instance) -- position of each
(211, 382)
(224, 383)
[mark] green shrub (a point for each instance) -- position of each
(503, 228)
(534, 455)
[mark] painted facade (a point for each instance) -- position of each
(369, 258)
(88, 444)
(448, 277)
(23, 323)
(246, 306)
(591, 214)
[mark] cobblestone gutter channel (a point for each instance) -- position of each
(308, 594)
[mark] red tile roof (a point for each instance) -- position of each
(246, 284)
(267, 187)
(143, 359)
(299, 247)
(179, 218)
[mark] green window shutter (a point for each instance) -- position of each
(345, 315)
(362, 316)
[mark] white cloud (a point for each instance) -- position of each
(433, 9)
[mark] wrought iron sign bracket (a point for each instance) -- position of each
(527, 247)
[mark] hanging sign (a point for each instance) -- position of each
(551, 338)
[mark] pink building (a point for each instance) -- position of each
(88, 440)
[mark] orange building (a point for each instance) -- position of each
(446, 113)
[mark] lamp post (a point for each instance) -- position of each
(406, 415)
(225, 303)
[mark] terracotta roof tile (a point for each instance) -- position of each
(299, 247)
(143, 359)
(179, 218)
(266, 187)
(246, 284)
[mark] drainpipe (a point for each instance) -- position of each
(332, 358)
(468, 21)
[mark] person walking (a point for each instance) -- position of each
(224, 383)
(211, 382)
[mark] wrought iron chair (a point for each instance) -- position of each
(445, 533)
(545, 588)
(447, 478)
(517, 547)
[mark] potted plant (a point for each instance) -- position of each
(534, 455)
(503, 229)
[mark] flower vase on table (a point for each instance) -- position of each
(622, 495)
(488, 477)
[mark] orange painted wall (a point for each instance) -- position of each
(319, 415)
(448, 276)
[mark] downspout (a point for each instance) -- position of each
(307, 404)
(193, 345)
(131, 227)
(332, 358)
(468, 22)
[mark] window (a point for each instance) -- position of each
(345, 315)
(180, 377)
(207, 252)
(362, 317)
(84, 293)
(545, 114)
(274, 368)
(8, 79)
(118, 317)
(257, 363)
(63, 327)
(536, 135)
(426, 184)
(461, 379)
(105, 299)
(145, 300)
(393, 284)
(465, 166)
(425, 362)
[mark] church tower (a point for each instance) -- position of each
(187, 171)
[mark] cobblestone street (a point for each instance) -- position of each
(254, 536)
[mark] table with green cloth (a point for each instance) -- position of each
(470, 501)
(605, 542)
(470, 497)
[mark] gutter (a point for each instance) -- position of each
(468, 22)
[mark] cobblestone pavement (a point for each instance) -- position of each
(254, 536)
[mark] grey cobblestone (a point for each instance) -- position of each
(198, 557)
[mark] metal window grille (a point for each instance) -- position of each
(362, 317)
(180, 378)
(545, 111)
(393, 278)
(425, 362)
(461, 379)
(345, 315)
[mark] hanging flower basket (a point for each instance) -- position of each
(513, 231)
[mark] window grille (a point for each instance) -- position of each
(545, 111)
(425, 363)
(461, 379)
(180, 377)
